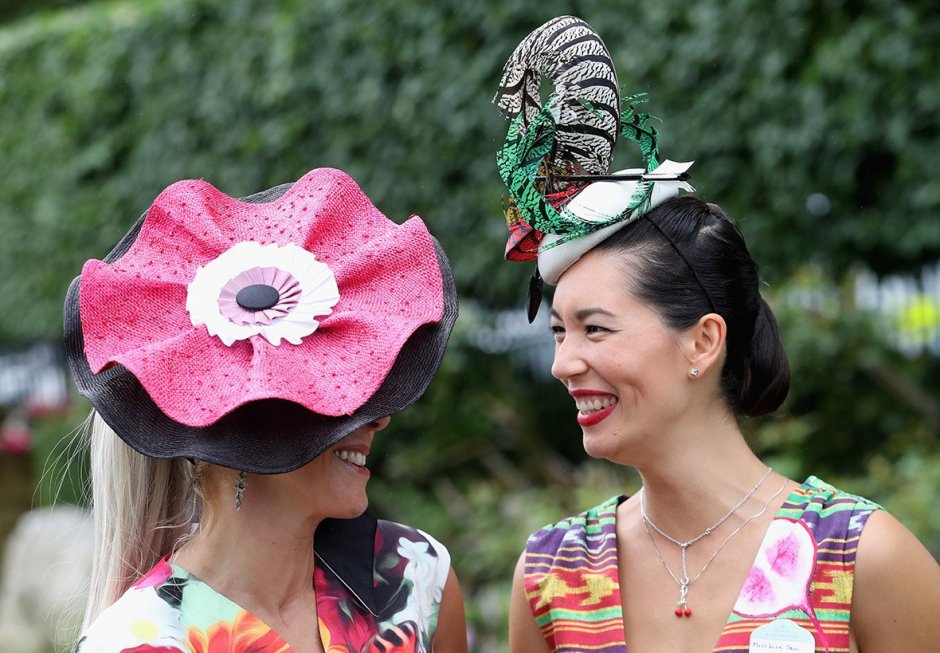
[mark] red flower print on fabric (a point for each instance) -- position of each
(347, 624)
(245, 634)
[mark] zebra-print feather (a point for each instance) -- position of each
(586, 99)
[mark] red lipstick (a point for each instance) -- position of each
(594, 417)
(590, 419)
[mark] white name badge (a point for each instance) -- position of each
(781, 636)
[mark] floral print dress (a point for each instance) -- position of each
(378, 585)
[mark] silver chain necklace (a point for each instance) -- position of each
(684, 583)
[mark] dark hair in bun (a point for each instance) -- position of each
(756, 375)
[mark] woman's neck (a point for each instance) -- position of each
(705, 473)
(258, 557)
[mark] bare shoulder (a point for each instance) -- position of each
(524, 633)
(897, 590)
(451, 633)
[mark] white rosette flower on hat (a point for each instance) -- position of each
(293, 286)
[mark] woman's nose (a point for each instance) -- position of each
(380, 423)
(568, 362)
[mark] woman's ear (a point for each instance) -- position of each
(704, 343)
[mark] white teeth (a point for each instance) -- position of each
(353, 457)
(594, 404)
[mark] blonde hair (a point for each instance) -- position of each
(142, 508)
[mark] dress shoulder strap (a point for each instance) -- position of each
(571, 581)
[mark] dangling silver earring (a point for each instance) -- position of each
(240, 489)
(693, 372)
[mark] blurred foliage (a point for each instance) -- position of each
(60, 457)
(814, 124)
(106, 104)
(12, 9)
(851, 392)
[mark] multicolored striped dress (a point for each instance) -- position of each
(803, 572)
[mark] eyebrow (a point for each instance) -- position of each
(584, 313)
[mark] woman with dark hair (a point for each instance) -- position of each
(241, 355)
(664, 342)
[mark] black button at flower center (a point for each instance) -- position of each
(257, 297)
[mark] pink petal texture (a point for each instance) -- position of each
(782, 571)
(133, 311)
(758, 589)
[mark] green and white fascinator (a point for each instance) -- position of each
(555, 162)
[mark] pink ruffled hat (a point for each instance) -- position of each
(255, 333)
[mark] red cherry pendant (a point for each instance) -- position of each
(688, 611)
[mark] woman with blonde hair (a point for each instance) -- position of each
(241, 356)
(664, 342)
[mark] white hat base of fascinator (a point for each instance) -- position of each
(602, 199)
(255, 333)
(562, 199)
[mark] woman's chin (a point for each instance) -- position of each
(596, 447)
(351, 509)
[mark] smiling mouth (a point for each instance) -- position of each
(352, 457)
(588, 405)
